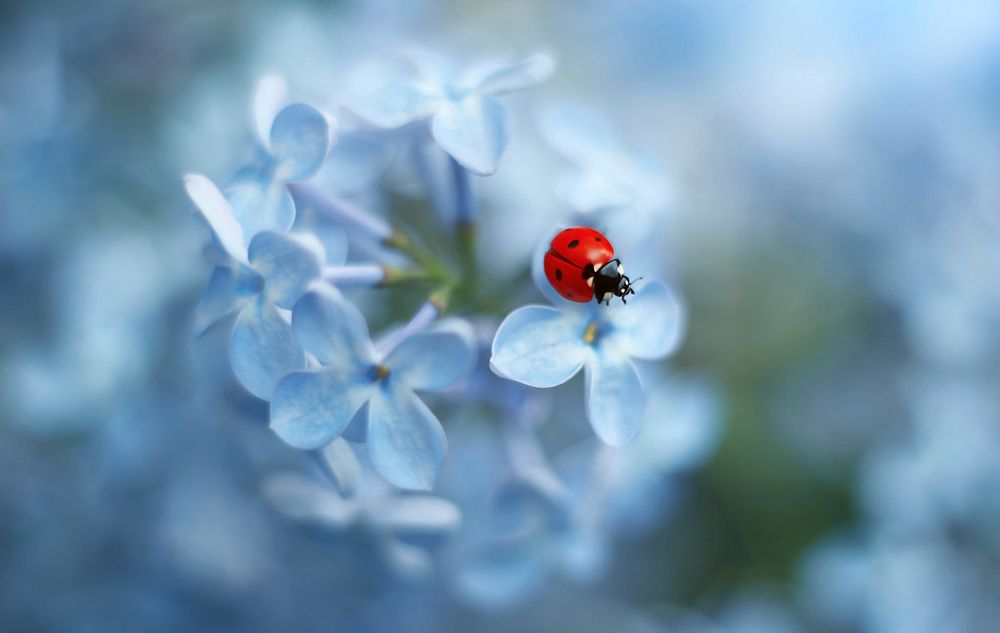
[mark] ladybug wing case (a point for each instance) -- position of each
(582, 246)
(567, 278)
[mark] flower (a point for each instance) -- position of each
(403, 526)
(465, 118)
(293, 142)
(607, 178)
(539, 528)
(405, 440)
(271, 274)
(544, 346)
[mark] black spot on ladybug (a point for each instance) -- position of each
(597, 239)
(559, 274)
(573, 244)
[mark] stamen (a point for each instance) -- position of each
(381, 372)
(590, 334)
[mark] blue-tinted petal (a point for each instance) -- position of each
(583, 554)
(310, 408)
(511, 77)
(260, 203)
(474, 131)
(499, 573)
(288, 264)
(588, 191)
(300, 139)
(578, 132)
(270, 98)
(397, 105)
(220, 215)
(303, 500)
(358, 159)
(409, 561)
(405, 441)
(415, 514)
(343, 464)
(433, 68)
(651, 326)
(539, 346)
(615, 399)
(263, 349)
(436, 358)
(332, 329)
(230, 288)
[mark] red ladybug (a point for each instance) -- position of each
(581, 266)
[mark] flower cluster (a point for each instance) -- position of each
(291, 254)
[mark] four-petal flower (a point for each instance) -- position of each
(466, 119)
(292, 145)
(405, 440)
(543, 346)
(272, 274)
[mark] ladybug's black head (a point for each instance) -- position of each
(610, 281)
(624, 288)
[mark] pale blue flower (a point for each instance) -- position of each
(544, 346)
(404, 527)
(460, 105)
(539, 528)
(271, 275)
(622, 187)
(405, 440)
(631, 489)
(293, 142)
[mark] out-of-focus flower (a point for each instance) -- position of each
(630, 489)
(624, 188)
(464, 116)
(405, 440)
(539, 527)
(273, 273)
(404, 526)
(543, 346)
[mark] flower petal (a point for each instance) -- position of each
(435, 359)
(520, 76)
(474, 131)
(229, 288)
(271, 96)
(263, 348)
(219, 213)
(413, 514)
(311, 408)
(288, 264)
(579, 133)
(405, 440)
(332, 329)
(615, 399)
(539, 346)
(652, 324)
(396, 105)
(499, 573)
(303, 500)
(300, 139)
(343, 464)
(260, 203)
(358, 159)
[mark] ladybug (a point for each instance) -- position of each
(581, 265)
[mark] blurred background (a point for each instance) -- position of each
(832, 221)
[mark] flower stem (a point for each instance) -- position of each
(355, 276)
(424, 316)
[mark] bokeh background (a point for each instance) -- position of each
(833, 227)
